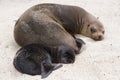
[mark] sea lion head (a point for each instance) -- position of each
(93, 29)
(96, 31)
(66, 54)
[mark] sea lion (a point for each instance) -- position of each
(52, 24)
(55, 24)
(36, 59)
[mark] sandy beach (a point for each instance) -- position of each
(100, 60)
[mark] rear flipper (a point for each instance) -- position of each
(80, 44)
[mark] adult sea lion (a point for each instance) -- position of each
(52, 24)
(36, 59)
(48, 24)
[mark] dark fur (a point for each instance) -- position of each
(36, 59)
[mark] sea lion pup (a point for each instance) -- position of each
(36, 59)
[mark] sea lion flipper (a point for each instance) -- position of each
(46, 69)
(57, 66)
(44, 75)
(45, 72)
(79, 42)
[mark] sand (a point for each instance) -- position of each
(99, 61)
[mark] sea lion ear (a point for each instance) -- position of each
(46, 69)
(88, 25)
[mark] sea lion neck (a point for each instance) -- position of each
(68, 17)
(80, 23)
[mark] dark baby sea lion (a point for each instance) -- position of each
(36, 59)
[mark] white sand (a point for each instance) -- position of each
(99, 61)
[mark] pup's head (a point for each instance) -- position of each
(65, 54)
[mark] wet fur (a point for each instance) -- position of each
(55, 24)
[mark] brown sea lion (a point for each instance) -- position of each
(36, 59)
(52, 24)
(45, 24)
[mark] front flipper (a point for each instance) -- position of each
(79, 42)
(57, 66)
(46, 69)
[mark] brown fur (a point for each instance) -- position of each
(54, 24)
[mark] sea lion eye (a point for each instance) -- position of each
(88, 25)
(93, 30)
(103, 32)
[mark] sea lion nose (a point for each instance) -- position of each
(100, 37)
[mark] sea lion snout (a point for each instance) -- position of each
(98, 38)
(98, 35)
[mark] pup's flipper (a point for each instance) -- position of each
(46, 69)
(57, 66)
(80, 43)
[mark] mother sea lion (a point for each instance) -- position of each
(55, 24)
